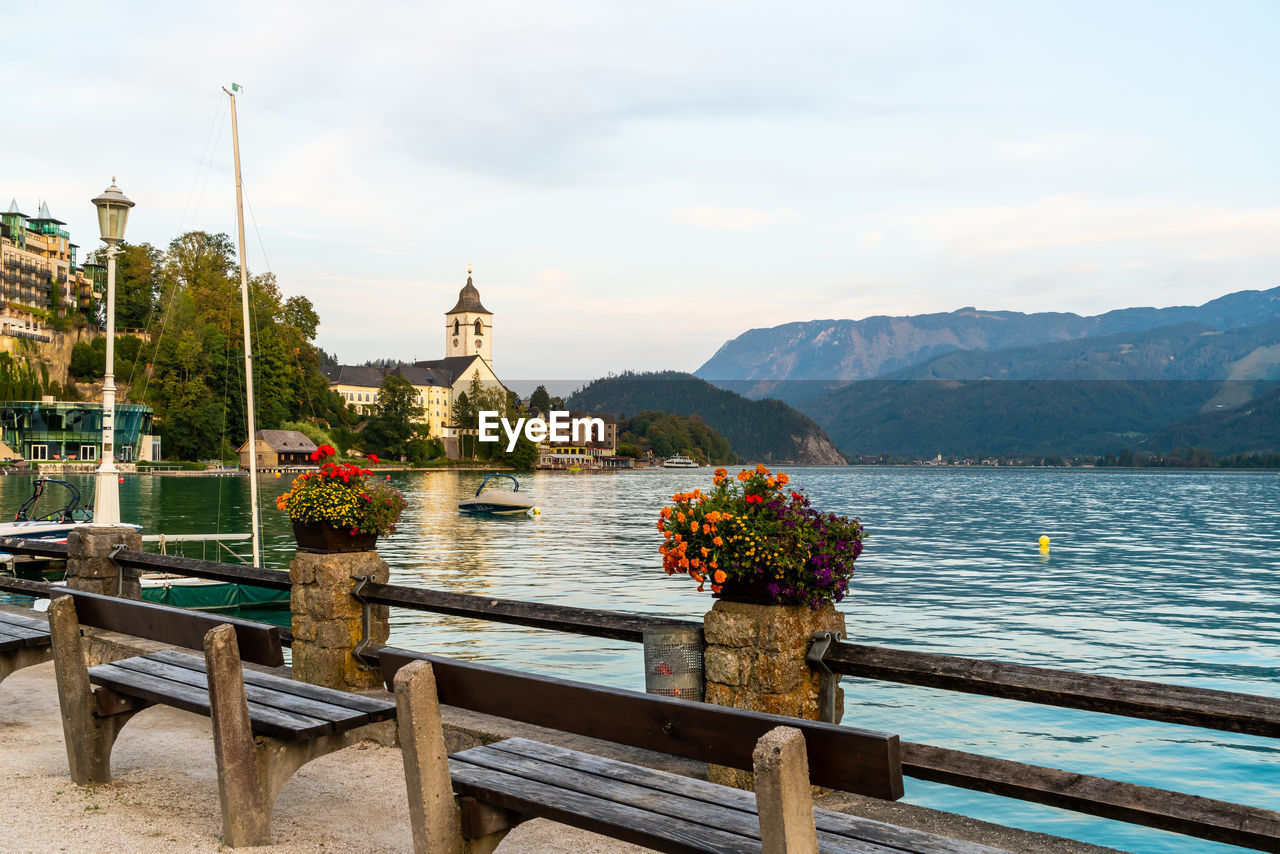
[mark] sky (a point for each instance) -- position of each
(633, 184)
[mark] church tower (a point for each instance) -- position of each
(468, 326)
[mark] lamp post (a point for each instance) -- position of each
(113, 212)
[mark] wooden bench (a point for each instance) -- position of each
(24, 642)
(265, 727)
(469, 800)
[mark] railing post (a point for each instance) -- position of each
(90, 566)
(755, 660)
(329, 621)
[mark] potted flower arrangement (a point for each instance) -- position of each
(340, 508)
(755, 540)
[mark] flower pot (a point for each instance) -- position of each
(319, 538)
(752, 592)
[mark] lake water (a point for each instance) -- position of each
(1169, 576)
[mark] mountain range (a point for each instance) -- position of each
(843, 350)
(999, 382)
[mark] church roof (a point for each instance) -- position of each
(13, 208)
(469, 300)
(449, 368)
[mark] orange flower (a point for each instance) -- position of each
(717, 542)
(706, 529)
(743, 475)
(706, 551)
(715, 588)
(679, 517)
(719, 577)
(659, 526)
(760, 469)
(783, 480)
(721, 472)
(770, 482)
(666, 512)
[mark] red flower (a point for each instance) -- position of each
(373, 458)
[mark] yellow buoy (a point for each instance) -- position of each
(1044, 544)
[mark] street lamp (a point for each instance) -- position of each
(113, 213)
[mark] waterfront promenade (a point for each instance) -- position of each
(164, 796)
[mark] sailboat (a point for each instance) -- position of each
(203, 593)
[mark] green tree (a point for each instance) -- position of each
(391, 431)
(540, 399)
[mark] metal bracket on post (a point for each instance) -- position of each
(819, 643)
(365, 662)
(119, 547)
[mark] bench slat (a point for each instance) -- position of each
(342, 719)
(377, 710)
(841, 757)
(23, 621)
(841, 824)
(24, 636)
(258, 642)
(265, 720)
(638, 794)
(628, 824)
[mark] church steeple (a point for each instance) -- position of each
(468, 326)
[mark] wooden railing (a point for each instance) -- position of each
(1205, 818)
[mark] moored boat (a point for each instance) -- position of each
(498, 502)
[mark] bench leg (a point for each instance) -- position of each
(13, 661)
(251, 770)
(89, 737)
(433, 813)
(784, 800)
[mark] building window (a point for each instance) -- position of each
(457, 326)
(39, 452)
(88, 452)
(479, 328)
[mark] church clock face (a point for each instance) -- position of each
(455, 342)
(478, 342)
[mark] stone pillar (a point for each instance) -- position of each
(326, 618)
(89, 565)
(755, 660)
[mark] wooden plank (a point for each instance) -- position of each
(8, 643)
(25, 637)
(852, 760)
(23, 621)
(258, 642)
(178, 565)
(376, 709)
(1135, 698)
(1219, 821)
(341, 718)
(32, 547)
(602, 783)
(563, 618)
(842, 824)
(629, 824)
(266, 720)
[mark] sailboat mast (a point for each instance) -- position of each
(248, 347)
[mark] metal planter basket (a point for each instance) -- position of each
(673, 661)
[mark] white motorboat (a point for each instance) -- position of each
(499, 502)
(680, 462)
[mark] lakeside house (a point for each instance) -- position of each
(72, 431)
(39, 277)
(273, 449)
